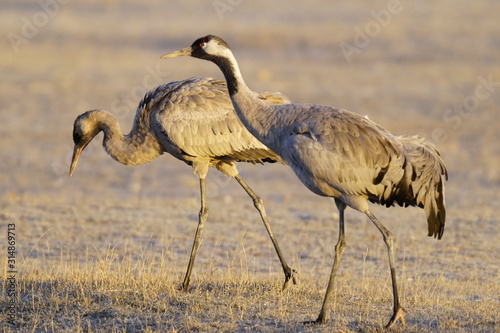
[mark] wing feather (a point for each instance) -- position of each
(197, 117)
(357, 157)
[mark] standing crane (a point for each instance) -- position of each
(340, 154)
(194, 121)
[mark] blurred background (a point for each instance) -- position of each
(415, 67)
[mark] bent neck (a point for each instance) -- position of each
(138, 147)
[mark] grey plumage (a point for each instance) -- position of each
(339, 154)
(194, 121)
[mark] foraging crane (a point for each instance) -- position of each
(340, 154)
(194, 121)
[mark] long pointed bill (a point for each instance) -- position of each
(74, 161)
(179, 53)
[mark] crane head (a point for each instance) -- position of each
(84, 130)
(203, 48)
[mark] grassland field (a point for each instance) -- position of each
(106, 250)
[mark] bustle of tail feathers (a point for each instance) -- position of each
(427, 181)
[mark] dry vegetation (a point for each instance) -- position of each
(105, 251)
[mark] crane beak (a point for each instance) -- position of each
(76, 155)
(179, 53)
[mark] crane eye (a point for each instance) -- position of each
(202, 44)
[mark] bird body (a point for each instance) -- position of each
(360, 161)
(199, 120)
(339, 154)
(194, 121)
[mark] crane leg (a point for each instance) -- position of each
(398, 309)
(197, 237)
(290, 274)
(324, 314)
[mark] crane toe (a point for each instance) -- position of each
(321, 320)
(398, 315)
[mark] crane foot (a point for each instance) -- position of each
(290, 276)
(321, 320)
(398, 315)
(185, 286)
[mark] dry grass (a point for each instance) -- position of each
(113, 292)
(105, 251)
(94, 269)
(119, 291)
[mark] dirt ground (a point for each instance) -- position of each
(415, 67)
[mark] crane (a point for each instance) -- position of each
(194, 121)
(340, 154)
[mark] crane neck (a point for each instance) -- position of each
(255, 114)
(229, 67)
(138, 147)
